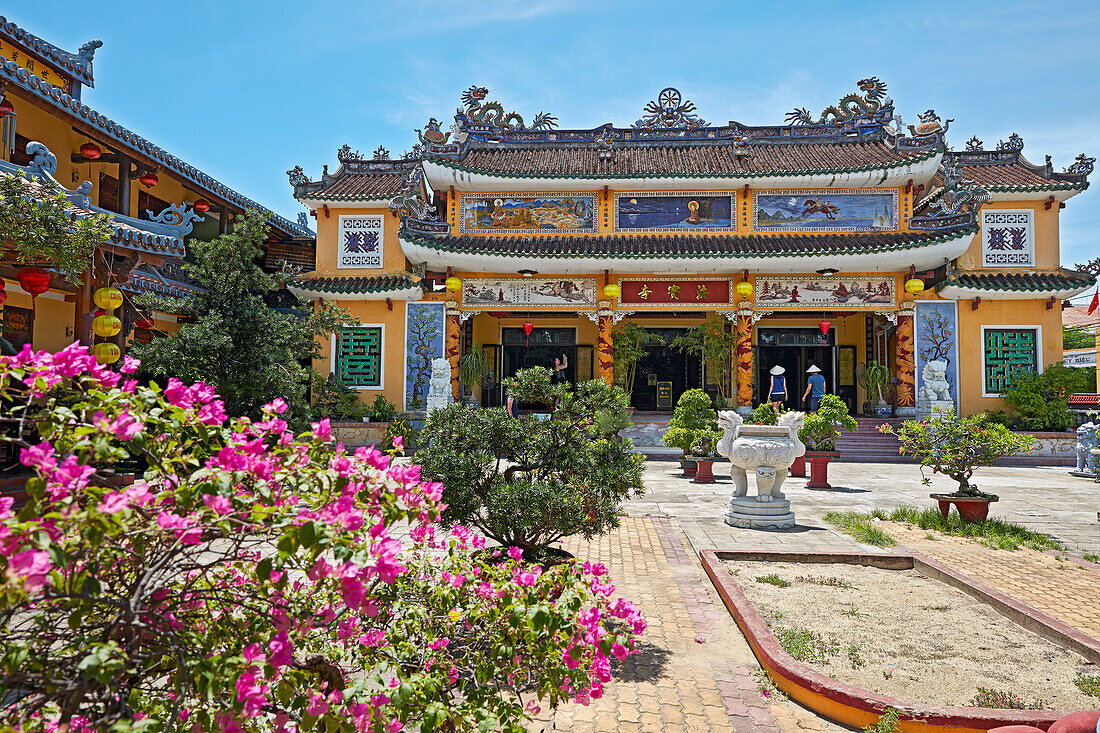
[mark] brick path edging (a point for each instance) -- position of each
(857, 707)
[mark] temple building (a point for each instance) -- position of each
(156, 201)
(833, 240)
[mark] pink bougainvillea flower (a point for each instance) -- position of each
(322, 430)
(129, 365)
(32, 566)
(515, 553)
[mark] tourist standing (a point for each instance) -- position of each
(560, 365)
(512, 405)
(815, 387)
(777, 394)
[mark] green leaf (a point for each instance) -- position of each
(263, 569)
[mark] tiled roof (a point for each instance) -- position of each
(1084, 398)
(53, 96)
(1009, 171)
(149, 279)
(694, 160)
(365, 186)
(1078, 315)
(77, 65)
(1020, 281)
(685, 246)
(352, 285)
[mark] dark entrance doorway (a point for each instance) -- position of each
(662, 363)
(520, 352)
(795, 349)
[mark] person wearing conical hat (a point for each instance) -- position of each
(815, 387)
(777, 394)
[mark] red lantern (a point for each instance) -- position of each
(149, 180)
(824, 326)
(6, 108)
(528, 327)
(202, 206)
(91, 151)
(3, 297)
(144, 322)
(100, 312)
(35, 281)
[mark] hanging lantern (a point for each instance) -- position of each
(149, 179)
(35, 281)
(144, 321)
(824, 326)
(99, 312)
(106, 326)
(91, 151)
(6, 108)
(3, 297)
(202, 206)
(453, 284)
(611, 291)
(109, 298)
(914, 285)
(106, 353)
(744, 289)
(528, 327)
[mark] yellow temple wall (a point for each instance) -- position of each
(375, 313)
(1047, 249)
(328, 230)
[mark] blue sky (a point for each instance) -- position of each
(246, 90)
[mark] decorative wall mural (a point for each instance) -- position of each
(424, 331)
(835, 210)
(1008, 238)
(530, 292)
(1007, 353)
(524, 213)
(360, 241)
(663, 212)
(935, 331)
(820, 292)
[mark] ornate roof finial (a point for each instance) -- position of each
(1082, 166)
(297, 176)
(87, 51)
(959, 192)
(741, 147)
(408, 202)
(670, 110)
(380, 153)
(974, 144)
(432, 134)
(849, 107)
(605, 144)
(345, 154)
(1015, 142)
(929, 124)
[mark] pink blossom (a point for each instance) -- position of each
(129, 365)
(515, 553)
(217, 503)
(113, 503)
(277, 405)
(394, 725)
(525, 578)
(39, 456)
(452, 675)
(398, 443)
(441, 643)
(282, 651)
(317, 705)
(32, 566)
(177, 393)
(322, 431)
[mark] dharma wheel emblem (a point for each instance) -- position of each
(670, 110)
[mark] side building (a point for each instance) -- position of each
(833, 241)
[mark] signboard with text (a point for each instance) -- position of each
(666, 293)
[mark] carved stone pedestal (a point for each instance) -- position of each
(928, 408)
(748, 511)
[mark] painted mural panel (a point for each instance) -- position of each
(424, 333)
(818, 292)
(833, 210)
(525, 213)
(529, 292)
(935, 329)
(680, 212)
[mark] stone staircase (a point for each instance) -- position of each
(868, 445)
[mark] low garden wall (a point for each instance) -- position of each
(354, 434)
(1051, 449)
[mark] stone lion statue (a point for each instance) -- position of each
(439, 385)
(768, 450)
(936, 387)
(1086, 441)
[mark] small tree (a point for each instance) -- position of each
(1041, 401)
(527, 482)
(713, 341)
(819, 432)
(876, 378)
(694, 422)
(249, 353)
(957, 446)
(628, 346)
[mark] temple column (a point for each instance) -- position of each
(451, 348)
(744, 360)
(905, 403)
(605, 344)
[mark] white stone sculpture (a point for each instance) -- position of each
(768, 451)
(439, 386)
(935, 395)
(1087, 441)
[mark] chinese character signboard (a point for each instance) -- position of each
(529, 292)
(663, 293)
(360, 241)
(818, 292)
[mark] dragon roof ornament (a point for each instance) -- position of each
(948, 209)
(1015, 142)
(670, 110)
(477, 111)
(297, 176)
(850, 107)
(416, 214)
(1082, 166)
(344, 154)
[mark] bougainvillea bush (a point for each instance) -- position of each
(252, 580)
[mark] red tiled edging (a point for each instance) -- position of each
(857, 707)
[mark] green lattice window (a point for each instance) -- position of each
(1008, 353)
(359, 356)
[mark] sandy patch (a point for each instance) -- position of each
(898, 633)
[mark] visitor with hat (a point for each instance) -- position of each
(777, 395)
(815, 387)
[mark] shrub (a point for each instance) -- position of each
(955, 446)
(1041, 401)
(819, 431)
(526, 482)
(693, 422)
(764, 414)
(382, 410)
(334, 400)
(260, 588)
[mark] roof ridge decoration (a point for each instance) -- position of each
(1082, 165)
(947, 210)
(380, 153)
(479, 113)
(929, 125)
(416, 214)
(79, 64)
(850, 107)
(1015, 142)
(669, 110)
(974, 145)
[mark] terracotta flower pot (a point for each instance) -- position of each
(798, 468)
(688, 466)
(704, 473)
(819, 469)
(971, 508)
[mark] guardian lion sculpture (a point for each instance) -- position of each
(936, 387)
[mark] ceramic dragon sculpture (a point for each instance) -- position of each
(492, 113)
(849, 107)
(959, 192)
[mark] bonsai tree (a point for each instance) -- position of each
(628, 340)
(694, 423)
(955, 446)
(713, 341)
(876, 379)
(472, 368)
(382, 410)
(526, 482)
(819, 432)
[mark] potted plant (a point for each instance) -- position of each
(628, 342)
(472, 368)
(703, 452)
(819, 433)
(692, 418)
(876, 379)
(955, 447)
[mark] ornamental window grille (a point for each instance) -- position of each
(1008, 353)
(1008, 238)
(359, 356)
